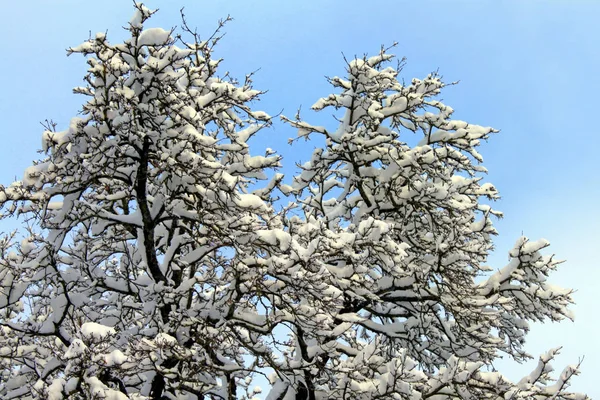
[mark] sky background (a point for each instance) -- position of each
(528, 68)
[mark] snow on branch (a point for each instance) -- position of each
(157, 260)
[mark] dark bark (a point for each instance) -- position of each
(106, 377)
(147, 221)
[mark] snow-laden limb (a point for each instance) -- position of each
(155, 266)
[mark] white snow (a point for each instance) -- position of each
(55, 390)
(153, 37)
(76, 349)
(116, 357)
(372, 257)
(92, 330)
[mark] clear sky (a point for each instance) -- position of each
(528, 68)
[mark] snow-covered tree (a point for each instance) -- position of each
(153, 264)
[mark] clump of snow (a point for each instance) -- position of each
(55, 389)
(165, 339)
(276, 237)
(153, 37)
(76, 349)
(92, 330)
(141, 13)
(114, 358)
(27, 245)
(100, 391)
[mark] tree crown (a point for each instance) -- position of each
(156, 265)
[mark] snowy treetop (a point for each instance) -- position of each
(158, 263)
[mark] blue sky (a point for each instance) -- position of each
(526, 67)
